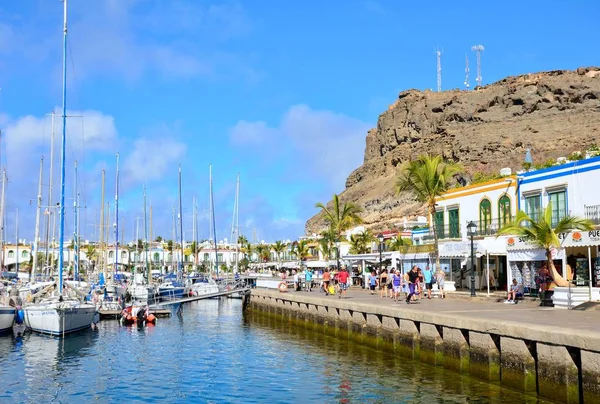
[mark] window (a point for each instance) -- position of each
(220, 257)
(439, 223)
(453, 223)
(11, 254)
(504, 215)
(136, 257)
(485, 216)
(205, 257)
(111, 254)
(559, 206)
(156, 257)
(533, 205)
(123, 254)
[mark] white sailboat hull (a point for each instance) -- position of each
(59, 318)
(142, 294)
(7, 318)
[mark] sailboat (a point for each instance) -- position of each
(172, 287)
(7, 313)
(141, 292)
(64, 312)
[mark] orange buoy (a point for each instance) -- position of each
(151, 318)
(282, 287)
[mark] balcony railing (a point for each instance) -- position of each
(450, 231)
(491, 227)
(592, 212)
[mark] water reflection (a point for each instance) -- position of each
(354, 372)
(212, 354)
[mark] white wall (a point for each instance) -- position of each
(579, 178)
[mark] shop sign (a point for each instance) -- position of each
(455, 249)
(579, 238)
(520, 243)
(417, 249)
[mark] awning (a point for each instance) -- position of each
(536, 254)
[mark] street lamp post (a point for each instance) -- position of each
(337, 253)
(380, 238)
(471, 231)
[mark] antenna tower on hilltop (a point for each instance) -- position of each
(478, 49)
(438, 53)
(467, 72)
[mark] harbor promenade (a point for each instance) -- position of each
(539, 350)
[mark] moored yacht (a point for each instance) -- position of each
(7, 317)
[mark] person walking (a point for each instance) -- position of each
(413, 279)
(396, 284)
(383, 279)
(428, 278)
(373, 283)
(326, 279)
(343, 282)
(308, 275)
(440, 277)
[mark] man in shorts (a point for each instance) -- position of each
(428, 277)
(343, 282)
(326, 279)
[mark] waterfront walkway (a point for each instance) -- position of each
(524, 320)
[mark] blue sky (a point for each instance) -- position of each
(282, 92)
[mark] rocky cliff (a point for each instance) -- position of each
(552, 113)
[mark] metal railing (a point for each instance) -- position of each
(491, 227)
(449, 231)
(592, 212)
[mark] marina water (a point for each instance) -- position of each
(212, 353)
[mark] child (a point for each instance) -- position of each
(373, 282)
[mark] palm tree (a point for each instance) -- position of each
(359, 243)
(327, 242)
(340, 218)
(300, 249)
(427, 178)
(90, 252)
(279, 247)
(242, 240)
(398, 242)
(539, 231)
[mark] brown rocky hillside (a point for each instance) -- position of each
(553, 113)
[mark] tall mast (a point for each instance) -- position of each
(50, 208)
(17, 239)
(101, 246)
(146, 237)
(117, 218)
(194, 230)
(237, 224)
(63, 152)
(212, 211)
(37, 224)
(180, 270)
(75, 235)
(2, 219)
(107, 227)
(173, 242)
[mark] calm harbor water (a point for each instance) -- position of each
(213, 354)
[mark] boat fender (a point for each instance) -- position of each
(282, 287)
(19, 316)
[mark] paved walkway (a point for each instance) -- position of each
(529, 313)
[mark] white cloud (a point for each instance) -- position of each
(323, 142)
(245, 132)
(152, 157)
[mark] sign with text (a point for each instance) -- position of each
(577, 238)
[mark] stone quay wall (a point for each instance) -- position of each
(554, 363)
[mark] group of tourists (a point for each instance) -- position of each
(413, 283)
(332, 282)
